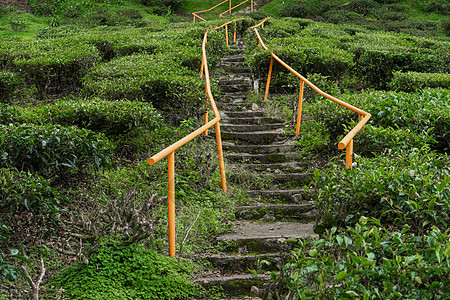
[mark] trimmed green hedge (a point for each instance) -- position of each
(12, 87)
(157, 79)
(24, 191)
(108, 117)
(401, 187)
(53, 150)
(414, 81)
(52, 66)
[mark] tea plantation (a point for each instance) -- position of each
(89, 90)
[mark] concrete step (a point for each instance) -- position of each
(277, 212)
(250, 128)
(233, 285)
(287, 167)
(235, 80)
(234, 58)
(257, 137)
(281, 195)
(264, 158)
(235, 88)
(248, 120)
(260, 149)
(234, 263)
(242, 114)
(259, 237)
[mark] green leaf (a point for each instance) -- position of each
(341, 275)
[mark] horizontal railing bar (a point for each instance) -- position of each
(210, 8)
(163, 153)
(230, 9)
(344, 142)
(198, 16)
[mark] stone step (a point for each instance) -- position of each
(277, 212)
(260, 149)
(235, 77)
(260, 237)
(235, 88)
(237, 106)
(230, 263)
(287, 167)
(250, 128)
(235, 80)
(233, 285)
(234, 58)
(248, 120)
(282, 195)
(257, 137)
(241, 114)
(264, 158)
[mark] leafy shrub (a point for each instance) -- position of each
(401, 187)
(50, 65)
(157, 79)
(53, 150)
(21, 191)
(10, 114)
(438, 6)
(342, 16)
(373, 140)
(369, 262)
(296, 9)
(445, 24)
(423, 111)
(131, 272)
(414, 81)
(108, 117)
(11, 86)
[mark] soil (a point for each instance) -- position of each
(21, 4)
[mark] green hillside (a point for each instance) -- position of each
(89, 90)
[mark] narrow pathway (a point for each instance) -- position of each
(255, 143)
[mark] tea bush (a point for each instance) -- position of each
(369, 261)
(401, 187)
(423, 111)
(156, 79)
(414, 81)
(53, 150)
(22, 191)
(130, 272)
(10, 114)
(11, 87)
(108, 117)
(52, 66)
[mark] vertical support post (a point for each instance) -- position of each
(206, 117)
(251, 5)
(349, 155)
(268, 79)
(171, 219)
(300, 103)
(201, 68)
(220, 153)
(234, 40)
(194, 18)
(230, 8)
(226, 34)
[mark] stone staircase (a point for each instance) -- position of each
(262, 157)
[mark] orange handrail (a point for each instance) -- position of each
(201, 11)
(231, 8)
(170, 151)
(195, 14)
(347, 141)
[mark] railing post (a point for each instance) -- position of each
(300, 103)
(234, 40)
(251, 5)
(349, 155)
(268, 79)
(226, 34)
(220, 153)
(230, 8)
(171, 218)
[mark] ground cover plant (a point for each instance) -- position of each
(92, 89)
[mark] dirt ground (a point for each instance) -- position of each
(22, 4)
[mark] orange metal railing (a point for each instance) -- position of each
(347, 141)
(170, 151)
(229, 10)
